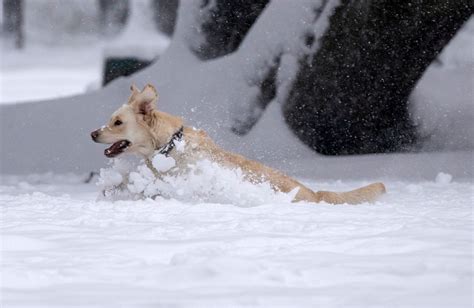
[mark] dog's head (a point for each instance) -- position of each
(130, 127)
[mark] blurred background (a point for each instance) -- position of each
(269, 79)
(47, 41)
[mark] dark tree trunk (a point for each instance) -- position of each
(225, 24)
(351, 96)
(13, 21)
(112, 15)
(166, 12)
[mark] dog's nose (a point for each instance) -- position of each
(94, 135)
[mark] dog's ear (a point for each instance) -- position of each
(143, 102)
(134, 89)
(149, 93)
(135, 92)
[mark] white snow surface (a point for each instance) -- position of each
(61, 247)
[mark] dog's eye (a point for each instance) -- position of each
(117, 123)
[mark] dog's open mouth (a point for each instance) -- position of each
(117, 148)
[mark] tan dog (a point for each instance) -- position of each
(137, 127)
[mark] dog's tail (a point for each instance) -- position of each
(367, 193)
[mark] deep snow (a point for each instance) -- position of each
(60, 247)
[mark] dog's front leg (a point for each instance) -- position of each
(150, 166)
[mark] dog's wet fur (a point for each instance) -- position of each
(138, 127)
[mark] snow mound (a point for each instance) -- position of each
(443, 178)
(204, 181)
(162, 163)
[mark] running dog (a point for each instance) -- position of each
(138, 127)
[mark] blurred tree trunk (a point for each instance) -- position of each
(166, 12)
(223, 24)
(13, 21)
(112, 15)
(351, 95)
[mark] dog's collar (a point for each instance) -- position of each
(167, 148)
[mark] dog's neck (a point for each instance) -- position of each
(165, 130)
(163, 127)
(168, 147)
(165, 150)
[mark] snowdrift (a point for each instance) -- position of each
(61, 248)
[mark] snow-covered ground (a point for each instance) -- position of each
(61, 248)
